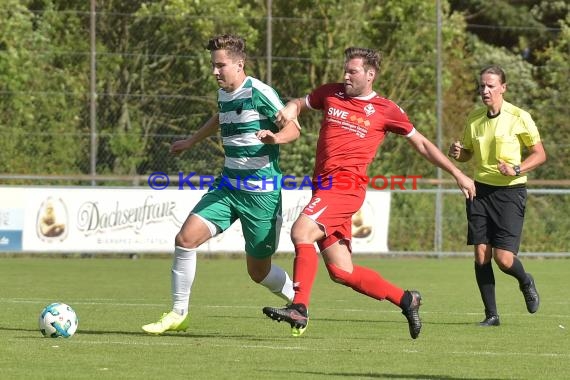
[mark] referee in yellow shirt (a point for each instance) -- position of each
(494, 136)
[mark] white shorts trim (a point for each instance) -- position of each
(211, 226)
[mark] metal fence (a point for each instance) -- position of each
(430, 220)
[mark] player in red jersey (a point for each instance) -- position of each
(355, 122)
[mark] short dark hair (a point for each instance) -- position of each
(234, 45)
(494, 69)
(371, 58)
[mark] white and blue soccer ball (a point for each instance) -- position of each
(58, 320)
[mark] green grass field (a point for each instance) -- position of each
(350, 336)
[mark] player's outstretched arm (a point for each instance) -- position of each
(427, 149)
(208, 129)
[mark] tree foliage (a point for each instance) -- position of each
(42, 92)
(154, 82)
(552, 103)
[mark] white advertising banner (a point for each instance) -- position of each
(134, 220)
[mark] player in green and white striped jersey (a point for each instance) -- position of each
(249, 188)
(243, 113)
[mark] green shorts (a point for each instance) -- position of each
(259, 214)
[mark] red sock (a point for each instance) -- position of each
(304, 272)
(369, 282)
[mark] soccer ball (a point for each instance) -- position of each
(58, 320)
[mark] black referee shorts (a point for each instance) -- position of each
(496, 216)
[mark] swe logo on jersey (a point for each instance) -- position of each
(340, 114)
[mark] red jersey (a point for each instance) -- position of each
(352, 129)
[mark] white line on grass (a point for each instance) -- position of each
(201, 344)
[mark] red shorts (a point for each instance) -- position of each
(332, 211)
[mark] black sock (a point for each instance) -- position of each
(301, 308)
(517, 271)
(486, 282)
(406, 301)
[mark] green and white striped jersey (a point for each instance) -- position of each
(243, 112)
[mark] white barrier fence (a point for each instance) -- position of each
(134, 220)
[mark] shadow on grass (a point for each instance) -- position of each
(81, 332)
(168, 334)
(119, 332)
(2, 328)
(173, 334)
(397, 319)
(393, 375)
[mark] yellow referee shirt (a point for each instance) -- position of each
(499, 137)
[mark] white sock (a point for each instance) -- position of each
(183, 273)
(279, 283)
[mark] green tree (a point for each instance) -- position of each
(156, 80)
(552, 105)
(41, 92)
(521, 26)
